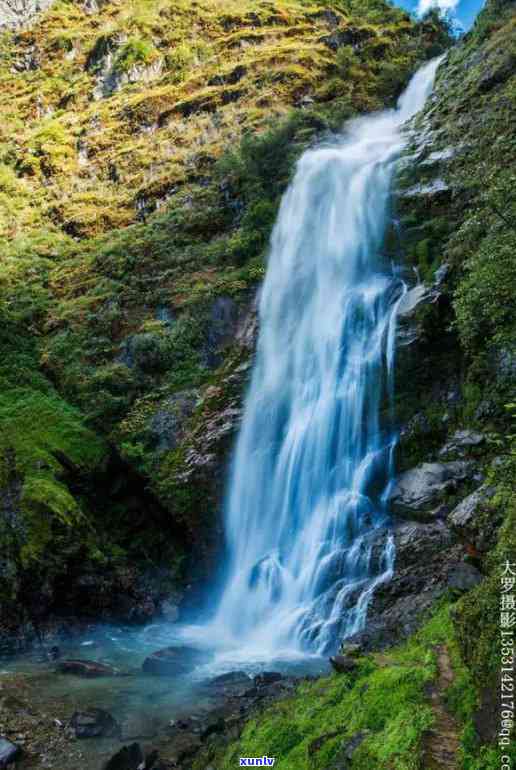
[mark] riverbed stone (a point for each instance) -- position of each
(94, 723)
(128, 758)
(88, 669)
(171, 661)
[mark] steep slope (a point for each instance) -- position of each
(143, 150)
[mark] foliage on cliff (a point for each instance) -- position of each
(143, 150)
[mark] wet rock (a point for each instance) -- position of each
(461, 442)
(417, 490)
(350, 650)
(267, 677)
(174, 660)
(343, 664)
(94, 723)
(436, 189)
(440, 156)
(9, 752)
(425, 555)
(231, 678)
(235, 684)
(467, 520)
(463, 577)
(88, 669)
(128, 758)
(412, 299)
(223, 323)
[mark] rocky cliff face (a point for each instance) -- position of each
(19, 13)
(144, 149)
(143, 154)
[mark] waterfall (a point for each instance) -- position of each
(314, 458)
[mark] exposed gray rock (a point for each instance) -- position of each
(351, 650)
(463, 577)
(467, 521)
(440, 156)
(18, 13)
(94, 723)
(174, 660)
(109, 78)
(418, 490)
(429, 190)
(425, 555)
(412, 299)
(461, 442)
(167, 426)
(441, 274)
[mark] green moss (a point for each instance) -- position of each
(135, 51)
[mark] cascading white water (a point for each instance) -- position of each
(313, 460)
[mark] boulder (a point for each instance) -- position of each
(94, 723)
(461, 442)
(418, 490)
(463, 577)
(172, 661)
(343, 664)
(234, 683)
(9, 752)
(128, 758)
(466, 519)
(89, 669)
(350, 650)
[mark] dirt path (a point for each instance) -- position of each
(442, 742)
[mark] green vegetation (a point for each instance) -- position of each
(385, 702)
